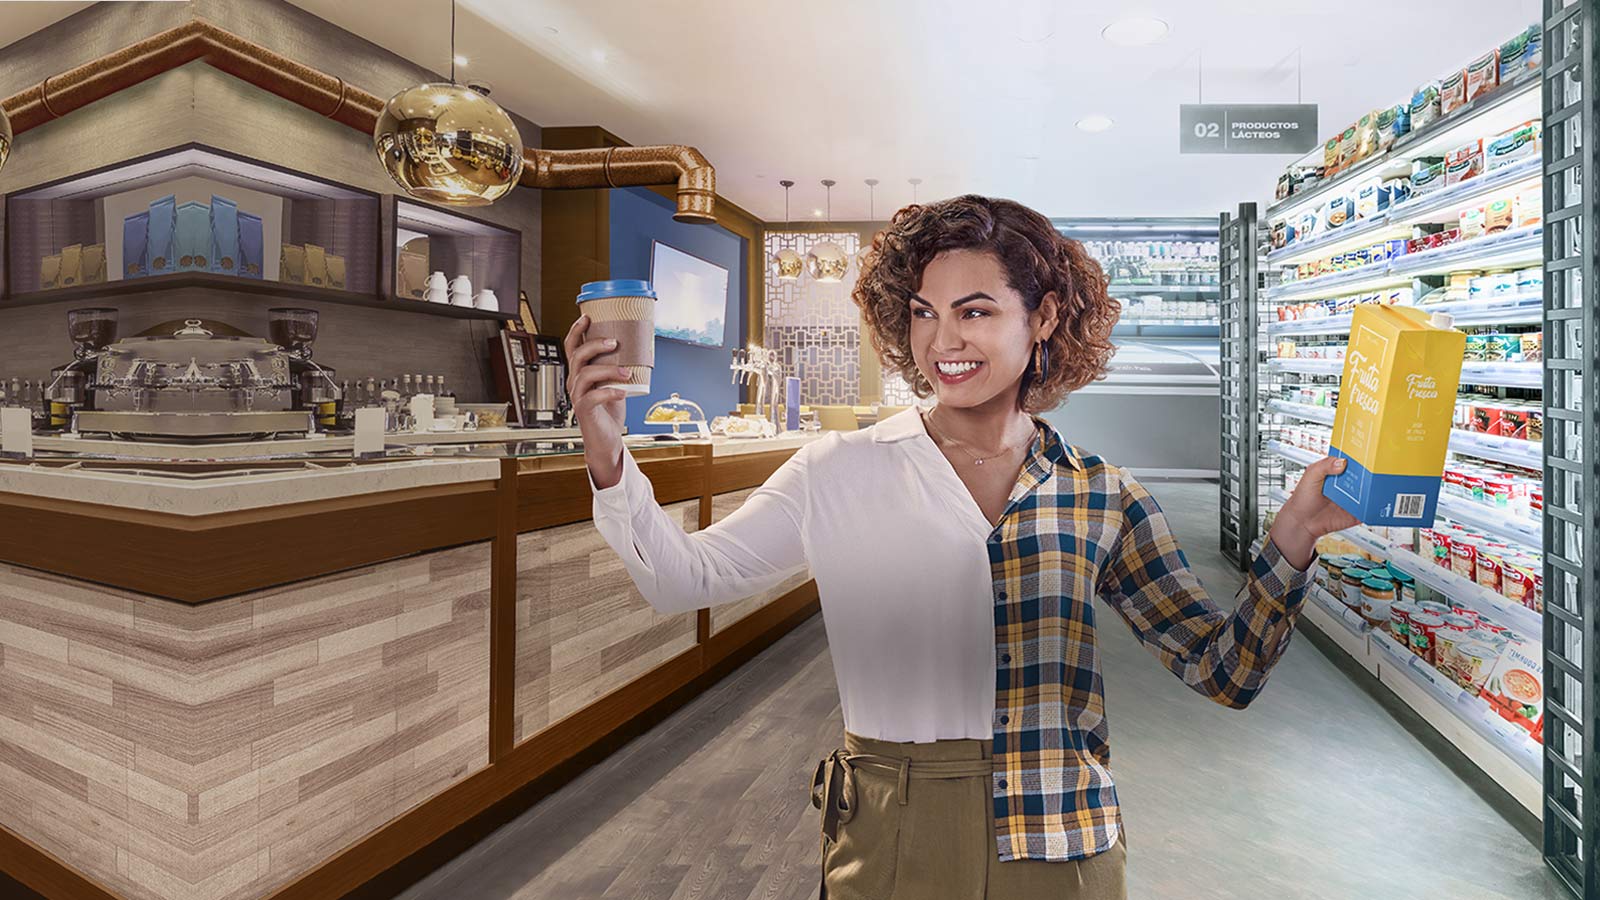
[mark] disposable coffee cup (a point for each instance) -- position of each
(624, 311)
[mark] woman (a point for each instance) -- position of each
(956, 552)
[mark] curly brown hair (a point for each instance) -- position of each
(1037, 259)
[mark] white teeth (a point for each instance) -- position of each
(957, 368)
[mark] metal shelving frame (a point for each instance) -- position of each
(1571, 100)
(1237, 256)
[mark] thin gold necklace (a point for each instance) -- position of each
(977, 460)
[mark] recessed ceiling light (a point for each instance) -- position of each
(1136, 31)
(461, 60)
(1094, 123)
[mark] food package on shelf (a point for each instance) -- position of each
(336, 271)
(316, 266)
(50, 272)
(1452, 92)
(1483, 74)
(193, 242)
(1427, 174)
(1497, 215)
(224, 236)
(1330, 157)
(1372, 198)
(135, 229)
(1515, 686)
(93, 264)
(71, 264)
(1394, 122)
(1339, 212)
(1521, 54)
(292, 264)
(1471, 220)
(1397, 402)
(1367, 143)
(1463, 163)
(1527, 208)
(1349, 147)
(251, 263)
(1511, 146)
(159, 243)
(1424, 105)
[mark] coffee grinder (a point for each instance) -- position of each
(314, 387)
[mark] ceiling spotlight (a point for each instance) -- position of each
(461, 60)
(817, 213)
(1095, 123)
(1136, 31)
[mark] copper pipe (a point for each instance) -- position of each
(76, 88)
(330, 96)
(630, 167)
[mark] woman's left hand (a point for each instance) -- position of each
(1308, 515)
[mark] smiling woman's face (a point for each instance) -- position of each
(972, 336)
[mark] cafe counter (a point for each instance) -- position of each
(301, 676)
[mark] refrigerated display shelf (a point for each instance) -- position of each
(1516, 375)
(1524, 530)
(1122, 288)
(1511, 451)
(1447, 583)
(1492, 113)
(1507, 248)
(1377, 651)
(1510, 527)
(1397, 221)
(1516, 309)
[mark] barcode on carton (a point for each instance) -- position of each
(1409, 506)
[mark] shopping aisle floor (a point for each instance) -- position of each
(1313, 792)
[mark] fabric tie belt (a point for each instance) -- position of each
(833, 787)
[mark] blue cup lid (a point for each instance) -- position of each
(627, 287)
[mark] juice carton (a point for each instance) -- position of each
(1396, 403)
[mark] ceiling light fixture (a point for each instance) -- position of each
(914, 182)
(447, 143)
(826, 262)
(786, 263)
(5, 138)
(872, 216)
(460, 60)
(1136, 31)
(1095, 124)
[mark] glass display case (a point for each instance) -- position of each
(1163, 271)
(450, 261)
(677, 413)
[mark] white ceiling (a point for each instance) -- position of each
(968, 96)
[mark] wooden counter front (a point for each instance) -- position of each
(279, 735)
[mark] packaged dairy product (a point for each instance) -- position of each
(1471, 222)
(1497, 216)
(1527, 209)
(1349, 147)
(1463, 162)
(1427, 174)
(1393, 122)
(1522, 53)
(1483, 74)
(1340, 210)
(1372, 198)
(1397, 402)
(1513, 145)
(1425, 105)
(1330, 157)
(1452, 92)
(1367, 135)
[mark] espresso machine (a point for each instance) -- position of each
(530, 373)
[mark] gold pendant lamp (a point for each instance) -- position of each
(826, 262)
(787, 264)
(5, 137)
(449, 144)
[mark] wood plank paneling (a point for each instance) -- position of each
(583, 629)
(220, 751)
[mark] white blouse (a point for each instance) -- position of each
(896, 544)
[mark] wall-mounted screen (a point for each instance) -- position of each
(691, 296)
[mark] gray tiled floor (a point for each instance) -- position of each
(1314, 792)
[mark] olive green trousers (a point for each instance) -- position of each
(915, 821)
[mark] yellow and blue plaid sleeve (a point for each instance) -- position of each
(1148, 581)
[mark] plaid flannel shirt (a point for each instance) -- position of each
(1076, 526)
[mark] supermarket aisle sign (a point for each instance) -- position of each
(1247, 127)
